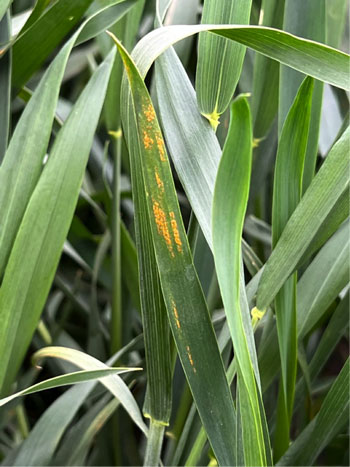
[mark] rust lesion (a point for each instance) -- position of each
(147, 140)
(162, 225)
(149, 113)
(176, 233)
(176, 315)
(159, 181)
(161, 147)
(188, 350)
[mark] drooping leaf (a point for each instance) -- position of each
(113, 383)
(65, 380)
(309, 57)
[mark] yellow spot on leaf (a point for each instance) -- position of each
(159, 180)
(162, 226)
(149, 113)
(176, 232)
(176, 315)
(161, 148)
(147, 140)
(188, 350)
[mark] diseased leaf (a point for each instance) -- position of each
(186, 307)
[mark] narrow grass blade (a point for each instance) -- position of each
(288, 180)
(112, 11)
(338, 214)
(78, 441)
(196, 163)
(65, 380)
(332, 417)
(64, 15)
(266, 74)
(186, 307)
(309, 57)
(334, 331)
(299, 19)
(4, 4)
(220, 61)
(5, 85)
(326, 188)
(23, 160)
(35, 14)
(234, 170)
(45, 224)
(336, 18)
(113, 383)
(38, 449)
(323, 280)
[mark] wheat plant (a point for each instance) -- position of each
(174, 232)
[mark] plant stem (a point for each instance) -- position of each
(154, 443)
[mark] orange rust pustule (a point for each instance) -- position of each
(147, 140)
(161, 148)
(162, 225)
(190, 358)
(175, 232)
(149, 113)
(177, 320)
(159, 181)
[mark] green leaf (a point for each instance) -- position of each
(23, 160)
(309, 57)
(78, 440)
(4, 4)
(299, 19)
(196, 164)
(186, 307)
(334, 331)
(332, 417)
(38, 448)
(234, 170)
(63, 16)
(220, 61)
(30, 269)
(65, 380)
(286, 196)
(5, 85)
(323, 280)
(336, 17)
(113, 383)
(338, 214)
(266, 74)
(325, 190)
